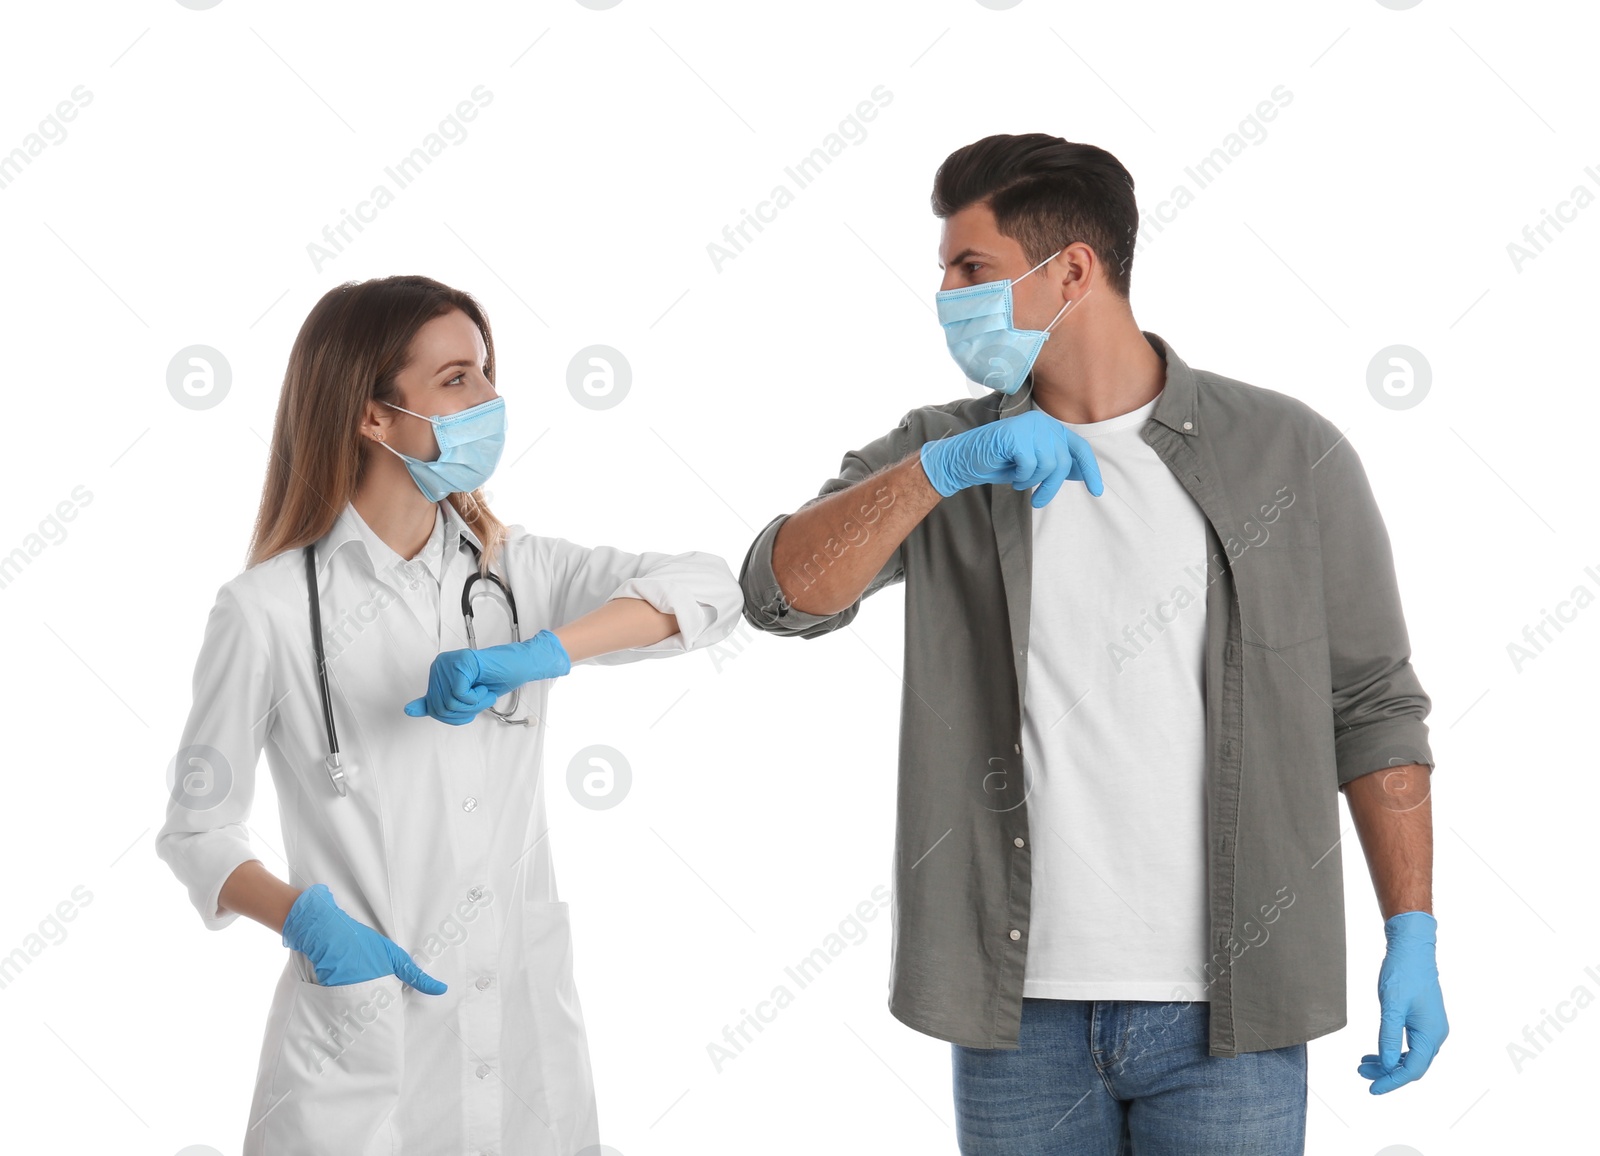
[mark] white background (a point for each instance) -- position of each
(1376, 209)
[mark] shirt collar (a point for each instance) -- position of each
(1175, 405)
(350, 527)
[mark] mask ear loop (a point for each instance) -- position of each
(1040, 265)
(1028, 393)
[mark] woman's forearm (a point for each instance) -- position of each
(254, 891)
(619, 624)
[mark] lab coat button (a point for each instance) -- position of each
(1015, 934)
(483, 1070)
(483, 982)
(469, 804)
(475, 894)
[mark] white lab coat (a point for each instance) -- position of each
(438, 845)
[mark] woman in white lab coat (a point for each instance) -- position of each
(427, 1002)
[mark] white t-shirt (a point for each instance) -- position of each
(1114, 731)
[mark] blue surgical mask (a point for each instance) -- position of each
(978, 330)
(469, 449)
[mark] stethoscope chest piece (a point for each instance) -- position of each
(330, 761)
(336, 773)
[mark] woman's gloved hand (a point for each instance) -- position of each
(343, 950)
(461, 683)
(1409, 998)
(1028, 449)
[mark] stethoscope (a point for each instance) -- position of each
(331, 759)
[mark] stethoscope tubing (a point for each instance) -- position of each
(331, 760)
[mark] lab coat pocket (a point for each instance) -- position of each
(547, 1050)
(336, 1080)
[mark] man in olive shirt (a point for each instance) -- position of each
(1217, 649)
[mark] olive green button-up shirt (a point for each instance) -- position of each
(1308, 682)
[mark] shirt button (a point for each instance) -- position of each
(475, 894)
(483, 1070)
(1017, 841)
(483, 982)
(1230, 652)
(1227, 748)
(469, 804)
(1188, 425)
(1017, 748)
(1015, 934)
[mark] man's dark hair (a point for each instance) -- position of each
(1046, 193)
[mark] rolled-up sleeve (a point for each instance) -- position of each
(696, 588)
(213, 772)
(765, 606)
(1379, 705)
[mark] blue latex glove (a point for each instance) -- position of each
(1028, 449)
(344, 950)
(462, 683)
(1409, 998)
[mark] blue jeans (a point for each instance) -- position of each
(1126, 1078)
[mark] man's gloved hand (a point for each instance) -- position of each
(1028, 449)
(462, 683)
(1408, 997)
(344, 950)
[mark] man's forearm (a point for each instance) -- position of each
(1393, 814)
(825, 554)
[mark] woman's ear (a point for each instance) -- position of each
(376, 418)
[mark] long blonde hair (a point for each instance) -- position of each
(349, 350)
